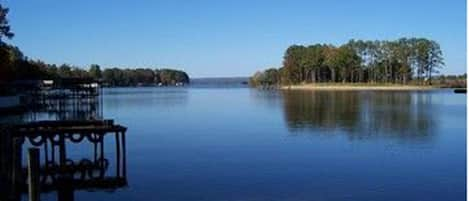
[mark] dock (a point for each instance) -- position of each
(66, 98)
(460, 91)
(57, 172)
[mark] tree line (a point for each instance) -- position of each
(402, 61)
(143, 76)
(15, 66)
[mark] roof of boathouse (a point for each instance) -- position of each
(59, 83)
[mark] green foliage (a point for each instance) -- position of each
(4, 25)
(7, 61)
(269, 77)
(143, 76)
(14, 66)
(95, 71)
(398, 61)
(7, 53)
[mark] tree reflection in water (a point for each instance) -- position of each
(364, 114)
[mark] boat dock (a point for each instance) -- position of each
(57, 171)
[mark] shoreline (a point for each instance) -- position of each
(352, 87)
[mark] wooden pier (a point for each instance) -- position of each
(58, 172)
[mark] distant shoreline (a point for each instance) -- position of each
(358, 87)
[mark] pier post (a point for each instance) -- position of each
(118, 155)
(16, 176)
(65, 190)
(101, 157)
(33, 174)
(124, 161)
(62, 151)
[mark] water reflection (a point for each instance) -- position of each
(88, 108)
(402, 115)
(272, 99)
(54, 107)
(145, 97)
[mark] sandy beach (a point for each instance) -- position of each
(360, 87)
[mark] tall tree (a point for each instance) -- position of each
(360, 48)
(331, 61)
(95, 71)
(348, 63)
(64, 71)
(435, 60)
(421, 57)
(315, 60)
(5, 30)
(6, 63)
(296, 63)
(403, 52)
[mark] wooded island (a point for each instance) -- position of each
(406, 61)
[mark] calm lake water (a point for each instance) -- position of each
(244, 144)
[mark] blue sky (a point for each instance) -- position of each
(223, 38)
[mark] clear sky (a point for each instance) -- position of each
(223, 38)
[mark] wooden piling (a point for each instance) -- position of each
(62, 151)
(33, 174)
(124, 161)
(118, 155)
(101, 158)
(16, 176)
(65, 190)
